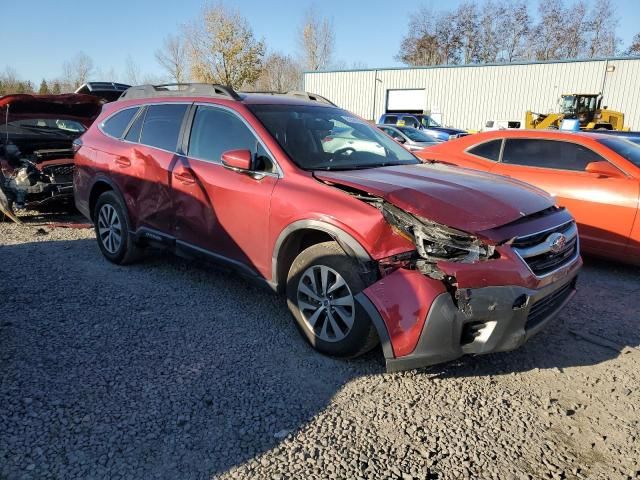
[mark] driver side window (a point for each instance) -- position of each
(215, 131)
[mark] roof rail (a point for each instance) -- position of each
(180, 90)
(90, 87)
(310, 96)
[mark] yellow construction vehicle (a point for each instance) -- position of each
(584, 107)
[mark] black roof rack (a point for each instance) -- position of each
(180, 90)
(314, 97)
(206, 90)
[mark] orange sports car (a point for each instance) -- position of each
(596, 176)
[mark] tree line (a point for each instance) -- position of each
(219, 45)
(506, 31)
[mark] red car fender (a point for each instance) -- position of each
(403, 300)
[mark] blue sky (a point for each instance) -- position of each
(367, 31)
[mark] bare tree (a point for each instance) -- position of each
(547, 39)
(602, 26)
(514, 29)
(467, 31)
(316, 41)
(634, 48)
(490, 39)
(132, 71)
(575, 31)
(448, 38)
(280, 73)
(222, 48)
(77, 70)
(172, 57)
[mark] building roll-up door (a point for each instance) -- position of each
(409, 101)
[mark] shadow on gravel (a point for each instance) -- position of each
(164, 369)
(600, 322)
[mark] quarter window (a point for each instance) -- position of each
(162, 126)
(133, 135)
(391, 119)
(548, 154)
(488, 150)
(216, 131)
(115, 125)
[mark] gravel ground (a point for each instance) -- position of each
(171, 369)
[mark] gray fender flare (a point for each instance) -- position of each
(352, 248)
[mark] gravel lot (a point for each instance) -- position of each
(171, 369)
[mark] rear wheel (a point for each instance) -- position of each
(321, 288)
(111, 224)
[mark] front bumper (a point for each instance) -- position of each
(481, 320)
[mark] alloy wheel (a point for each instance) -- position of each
(109, 228)
(326, 303)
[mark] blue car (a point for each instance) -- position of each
(422, 122)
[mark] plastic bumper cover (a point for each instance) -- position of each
(486, 320)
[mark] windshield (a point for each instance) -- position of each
(427, 121)
(416, 135)
(321, 138)
(628, 149)
(44, 125)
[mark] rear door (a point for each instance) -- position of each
(153, 140)
(604, 207)
(216, 209)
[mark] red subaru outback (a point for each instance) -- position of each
(369, 243)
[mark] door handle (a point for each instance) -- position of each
(184, 177)
(123, 161)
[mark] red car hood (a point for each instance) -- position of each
(84, 108)
(468, 200)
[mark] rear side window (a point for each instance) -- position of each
(391, 119)
(548, 154)
(488, 150)
(216, 131)
(162, 124)
(115, 125)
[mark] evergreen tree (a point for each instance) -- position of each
(44, 88)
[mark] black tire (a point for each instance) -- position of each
(127, 251)
(356, 339)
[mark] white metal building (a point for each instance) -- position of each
(467, 96)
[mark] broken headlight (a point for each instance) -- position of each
(435, 242)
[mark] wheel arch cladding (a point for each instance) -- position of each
(99, 187)
(302, 234)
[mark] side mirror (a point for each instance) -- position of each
(604, 169)
(400, 140)
(237, 160)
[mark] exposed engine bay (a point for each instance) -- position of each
(36, 148)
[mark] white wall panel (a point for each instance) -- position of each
(468, 96)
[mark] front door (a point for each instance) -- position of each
(219, 210)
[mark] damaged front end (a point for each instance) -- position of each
(434, 243)
(36, 180)
(425, 315)
(36, 148)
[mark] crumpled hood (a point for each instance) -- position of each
(464, 199)
(84, 108)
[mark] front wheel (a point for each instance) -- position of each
(321, 288)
